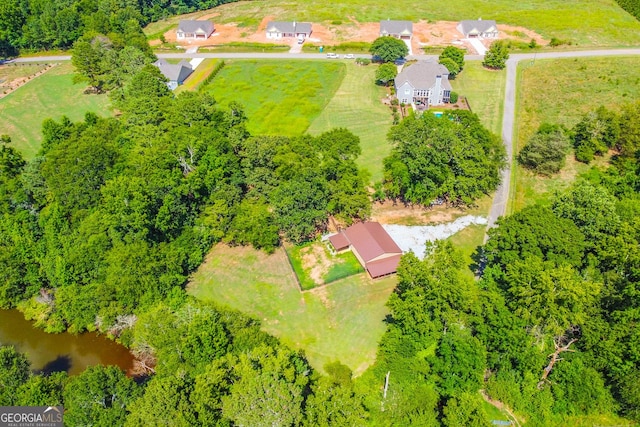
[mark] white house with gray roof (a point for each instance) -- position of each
(279, 29)
(398, 29)
(478, 28)
(194, 30)
(423, 84)
(176, 73)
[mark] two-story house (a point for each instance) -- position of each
(423, 84)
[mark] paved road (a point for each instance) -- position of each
(501, 200)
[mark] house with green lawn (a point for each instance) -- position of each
(423, 84)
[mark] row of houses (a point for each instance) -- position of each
(277, 30)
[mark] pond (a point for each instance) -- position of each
(60, 352)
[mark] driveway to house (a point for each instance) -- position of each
(501, 199)
(477, 45)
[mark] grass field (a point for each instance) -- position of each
(342, 321)
(584, 22)
(357, 106)
(561, 91)
(484, 90)
(279, 97)
(50, 95)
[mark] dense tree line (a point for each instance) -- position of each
(451, 157)
(114, 213)
(57, 24)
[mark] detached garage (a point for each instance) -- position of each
(372, 245)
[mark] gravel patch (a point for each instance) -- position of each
(413, 238)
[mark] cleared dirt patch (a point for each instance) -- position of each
(315, 261)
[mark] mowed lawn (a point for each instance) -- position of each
(279, 97)
(583, 22)
(562, 91)
(357, 106)
(484, 90)
(51, 95)
(341, 321)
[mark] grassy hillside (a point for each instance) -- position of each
(279, 97)
(357, 106)
(50, 95)
(485, 91)
(342, 321)
(561, 91)
(584, 22)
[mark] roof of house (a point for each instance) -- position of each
(190, 26)
(370, 240)
(384, 266)
(174, 72)
(339, 241)
(477, 26)
(289, 27)
(422, 75)
(396, 27)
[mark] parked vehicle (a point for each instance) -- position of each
(349, 56)
(332, 56)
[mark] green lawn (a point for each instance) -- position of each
(279, 97)
(315, 265)
(196, 78)
(357, 106)
(584, 22)
(50, 95)
(561, 91)
(342, 321)
(484, 90)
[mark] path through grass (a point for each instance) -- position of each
(50, 95)
(342, 321)
(562, 91)
(279, 97)
(357, 106)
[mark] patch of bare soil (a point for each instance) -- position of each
(314, 260)
(7, 87)
(398, 213)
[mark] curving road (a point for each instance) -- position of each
(501, 199)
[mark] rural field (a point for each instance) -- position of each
(561, 91)
(485, 91)
(50, 95)
(279, 97)
(342, 321)
(583, 22)
(357, 106)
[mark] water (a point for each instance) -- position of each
(60, 352)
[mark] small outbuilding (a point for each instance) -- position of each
(194, 30)
(478, 28)
(399, 29)
(372, 246)
(175, 73)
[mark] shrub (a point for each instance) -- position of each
(546, 150)
(554, 42)
(453, 98)
(497, 55)
(363, 61)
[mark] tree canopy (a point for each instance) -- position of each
(388, 49)
(451, 157)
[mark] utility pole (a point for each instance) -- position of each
(386, 387)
